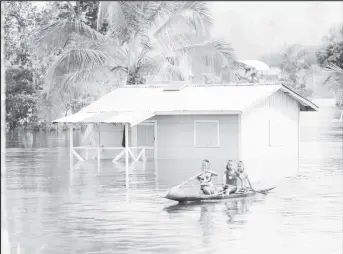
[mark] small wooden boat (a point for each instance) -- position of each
(181, 196)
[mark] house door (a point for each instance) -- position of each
(146, 138)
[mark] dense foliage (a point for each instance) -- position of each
(331, 49)
(275, 59)
(295, 67)
(26, 102)
(330, 56)
(21, 73)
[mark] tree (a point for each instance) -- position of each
(330, 56)
(20, 20)
(133, 42)
(331, 49)
(295, 68)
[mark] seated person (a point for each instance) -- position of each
(230, 178)
(205, 179)
(243, 176)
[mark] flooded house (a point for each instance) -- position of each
(253, 71)
(258, 124)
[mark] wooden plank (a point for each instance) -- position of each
(140, 154)
(127, 154)
(239, 137)
(118, 156)
(71, 142)
(143, 154)
(77, 155)
(98, 155)
(96, 147)
(132, 155)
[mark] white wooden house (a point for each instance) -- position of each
(258, 124)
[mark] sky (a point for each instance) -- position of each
(256, 28)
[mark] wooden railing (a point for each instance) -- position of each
(140, 152)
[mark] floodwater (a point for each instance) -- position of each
(51, 209)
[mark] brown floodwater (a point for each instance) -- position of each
(51, 209)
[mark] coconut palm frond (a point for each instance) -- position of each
(159, 64)
(150, 65)
(80, 79)
(185, 14)
(123, 18)
(112, 14)
(109, 47)
(119, 68)
(335, 74)
(214, 55)
(158, 10)
(77, 59)
(57, 33)
(174, 72)
(333, 68)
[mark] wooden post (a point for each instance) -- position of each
(71, 146)
(87, 154)
(239, 136)
(98, 150)
(98, 155)
(127, 154)
(143, 154)
(155, 140)
(156, 174)
(298, 154)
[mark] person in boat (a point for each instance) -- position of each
(205, 179)
(243, 176)
(230, 178)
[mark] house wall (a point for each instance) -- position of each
(175, 137)
(263, 160)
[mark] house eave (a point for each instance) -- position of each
(199, 112)
(305, 105)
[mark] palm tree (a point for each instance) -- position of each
(137, 42)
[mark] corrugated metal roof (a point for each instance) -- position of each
(132, 104)
(258, 65)
(191, 98)
(132, 118)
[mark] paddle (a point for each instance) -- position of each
(254, 190)
(189, 179)
(165, 193)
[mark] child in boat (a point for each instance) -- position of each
(230, 178)
(205, 179)
(243, 176)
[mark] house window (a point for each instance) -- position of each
(206, 133)
(276, 133)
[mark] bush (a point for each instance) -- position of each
(21, 110)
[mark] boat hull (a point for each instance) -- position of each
(184, 197)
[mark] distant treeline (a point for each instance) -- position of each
(298, 65)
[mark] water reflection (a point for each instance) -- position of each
(235, 207)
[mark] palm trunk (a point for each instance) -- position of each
(78, 8)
